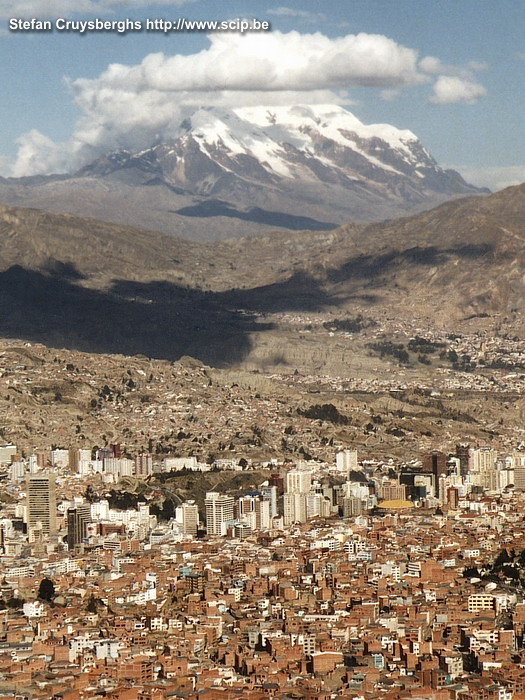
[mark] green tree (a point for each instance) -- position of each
(46, 590)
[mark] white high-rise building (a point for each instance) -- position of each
(483, 469)
(219, 512)
(346, 460)
(120, 466)
(298, 481)
(187, 514)
(269, 494)
(60, 458)
(294, 505)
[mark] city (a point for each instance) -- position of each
(351, 578)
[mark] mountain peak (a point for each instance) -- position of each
(297, 166)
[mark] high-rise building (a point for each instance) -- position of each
(60, 458)
(143, 464)
(219, 512)
(435, 462)
(463, 452)
(76, 456)
(294, 506)
(77, 521)
(352, 506)
(483, 467)
(269, 493)
(187, 514)
(120, 466)
(346, 460)
(41, 502)
(277, 481)
(254, 510)
(298, 481)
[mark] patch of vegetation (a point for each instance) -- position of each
(350, 325)
(123, 500)
(326, 412)
(461, 363)
(424, 346)
(386, 347)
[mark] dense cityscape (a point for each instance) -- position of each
(352, 578)
(262, 350)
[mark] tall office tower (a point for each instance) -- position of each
(219, 511)
(143, 464)
(76, 456)
(77, 521)
(463, 452)
(278, 482)
(352, 506)
(435, 462)
(120, 466)
(41, 502)
(294, 507)
(482, 466)
(245, 506)
(269, 493)
(298, 481)
(187, 514)
(263, 518)
(346, 460)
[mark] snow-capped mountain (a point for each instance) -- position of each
(290, 147)
(232, 172)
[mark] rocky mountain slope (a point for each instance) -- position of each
(231, 172)
(79, 283)
(295, 321)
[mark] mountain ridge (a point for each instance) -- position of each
(226, 173)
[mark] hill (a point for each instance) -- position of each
(229, 173)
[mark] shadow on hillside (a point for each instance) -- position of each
(298, 293)
(164, 321)
(157, 319)
(370, 266)
(216, 207)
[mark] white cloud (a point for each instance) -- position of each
(454, 83)
(65, 8)
(431, 65)
(134, 106)
(39, 154)
(449, 89)
(272, 61)
(495, 178)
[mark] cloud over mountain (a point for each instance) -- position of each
(132, 107)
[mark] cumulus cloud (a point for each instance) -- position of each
(449, 89)
(133, 107)
(434, 66)
(39, 154)
(272, 61)
(60, 8)
(453, 83)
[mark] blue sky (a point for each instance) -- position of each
(449, 70)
